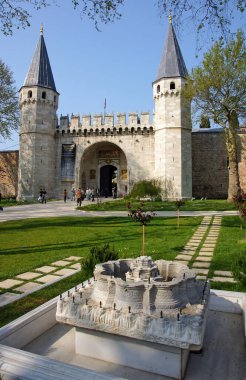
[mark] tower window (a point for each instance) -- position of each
(172, 86)
(158, 89)
(54, 99)
(43, 95)
(29, 94)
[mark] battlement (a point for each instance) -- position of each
(106, 124)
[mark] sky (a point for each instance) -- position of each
(118, 63)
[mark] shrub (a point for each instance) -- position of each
(97, 255)
(146, 188)
(239, 268)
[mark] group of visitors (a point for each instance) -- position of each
(42, 195)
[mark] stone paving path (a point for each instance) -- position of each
(198, 252)
(29, 282)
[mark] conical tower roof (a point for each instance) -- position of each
(40, 73)
(172, 62)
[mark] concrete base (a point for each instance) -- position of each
(150, 357)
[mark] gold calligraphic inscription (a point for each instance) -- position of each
(109, 153)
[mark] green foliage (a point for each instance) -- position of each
(139, 214)
(179, 203)
(239, 268)
(205, 122)
(213, 17)
(217, 89)
(97, 255)
(146, 189)
(240, 202)
(9, 110)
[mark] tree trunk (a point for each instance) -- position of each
(231, 144)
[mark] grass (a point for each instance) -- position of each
(195, 205)
(28, 244)
(230, 245)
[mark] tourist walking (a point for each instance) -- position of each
(78, 196)
(43, 195)
(65, 195)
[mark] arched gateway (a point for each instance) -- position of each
(103, 166)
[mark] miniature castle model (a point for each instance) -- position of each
(104, 152)
(159, 302)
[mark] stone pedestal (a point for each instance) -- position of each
(146, 356)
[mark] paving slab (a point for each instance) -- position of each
(204, 258)
(73, 258)
(200, 277)
(185, 262)
(48, 278)
(190, 248)
(27, 287)
(64, 272)
(9, 283)
(28, 275)
(60, 263)
(207, 249)
(208, 245)
(200, 271)
(223, 273)
(201, 253)
(183, 257)
(45, 269)
(75, 266)
(8, 297)
(224, 279)
(198, 264)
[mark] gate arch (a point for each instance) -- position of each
(104, 159)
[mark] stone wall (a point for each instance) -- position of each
(209, 164)
(9, 173)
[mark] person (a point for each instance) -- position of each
(73, 194)
(78, 196)
(43, 196)
(40, 195)
(65, 195)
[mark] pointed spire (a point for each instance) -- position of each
(40, 73)
(172, 63)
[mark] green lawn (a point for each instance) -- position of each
(195, 205)
(28, 244)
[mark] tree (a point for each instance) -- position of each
(218, 90)
(213, 16)
(9, 111)
(17, 13)
(205, 122)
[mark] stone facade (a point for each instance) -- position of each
(9, 173)
(110, 151)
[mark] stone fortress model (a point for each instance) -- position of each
(159, 302)
(108, 151)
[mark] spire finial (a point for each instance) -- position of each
(41, 30)
(170, 17)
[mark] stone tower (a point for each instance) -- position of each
(172, 122)
(38, 104)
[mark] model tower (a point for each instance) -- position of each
(172, 122)
(38, 104)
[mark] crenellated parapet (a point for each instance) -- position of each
(108, 124)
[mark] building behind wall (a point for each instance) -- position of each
(116, 151)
